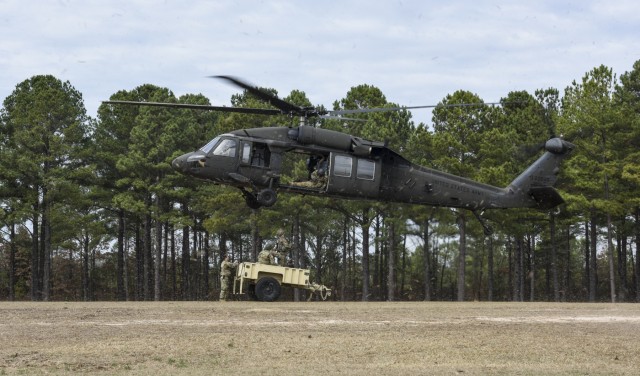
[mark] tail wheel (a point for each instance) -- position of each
(267, 197)
(268, 289)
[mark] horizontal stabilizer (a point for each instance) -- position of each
(546, 197)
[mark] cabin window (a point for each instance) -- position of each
(207, 148)
(246, 152)
(342, 166)
(366, 169)
(226, 148)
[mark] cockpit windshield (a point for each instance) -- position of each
(207, 148)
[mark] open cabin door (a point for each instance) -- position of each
(352, 176)
(255, 161)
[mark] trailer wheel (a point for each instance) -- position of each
(267, 197)
(251, 291)
(268, 289)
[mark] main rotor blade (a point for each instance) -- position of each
(390, 109)
(242, 110)
(336, 117)
(287, 107)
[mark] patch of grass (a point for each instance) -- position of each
(178, 363)
(204, 338)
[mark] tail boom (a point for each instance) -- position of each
(534, 187)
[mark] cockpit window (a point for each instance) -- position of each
(207, 148)
(226, 148)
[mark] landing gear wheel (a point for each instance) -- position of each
(267, 197)
(252, 201)
(268, 289)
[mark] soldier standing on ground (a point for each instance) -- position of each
(226, 275)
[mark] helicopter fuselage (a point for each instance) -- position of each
(253, 160)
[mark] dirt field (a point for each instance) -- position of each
(255, 338)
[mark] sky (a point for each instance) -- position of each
(415, 52)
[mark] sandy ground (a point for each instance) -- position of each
(285, 338)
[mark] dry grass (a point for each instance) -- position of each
(257, 338)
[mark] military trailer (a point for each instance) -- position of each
(263, 282)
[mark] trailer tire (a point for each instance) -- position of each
(268, 289)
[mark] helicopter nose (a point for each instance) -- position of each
(180, 164)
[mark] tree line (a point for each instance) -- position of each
(91, 209)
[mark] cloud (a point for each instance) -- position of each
(416, 52)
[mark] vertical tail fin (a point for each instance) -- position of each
(536, 182)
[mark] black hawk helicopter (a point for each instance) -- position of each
(346, 166)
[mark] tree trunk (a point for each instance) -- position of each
(637, 268)
(295, 252)
(318, 256)
(205, 266)
(593, 273)
(148, 258)
(46, 246)
(621, 240)
(567, 286)
(403, 267)
(518, 287)
(490, 270)
(35, 254)
(174, 279)
(352, 263)
(126, 268)
(139, 293)
(532, 268)
(186, 259)
(391, 261)
(377, 279)
(462, 255)
(477, 271)
(366, 223)
(12, 262)
(165, 260)
(256, 241)
(345, 247)
(120, 258)
(157, 287)
(612, 274)
(587, 253)
(91, 268)
(554, 257)
(86, 292)
(510, 257)
(426, 255)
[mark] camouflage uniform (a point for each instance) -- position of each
(268, 255)
(226, 275)
(318, 176)
(317, 181)
(283, 247)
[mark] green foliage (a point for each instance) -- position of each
(80, 174)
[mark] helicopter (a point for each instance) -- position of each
(341, 165)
